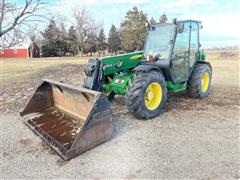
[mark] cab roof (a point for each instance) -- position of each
(181, 21)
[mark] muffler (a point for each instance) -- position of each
(70, 119)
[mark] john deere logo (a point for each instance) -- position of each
(107, 66)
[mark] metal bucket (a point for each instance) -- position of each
(70, 119)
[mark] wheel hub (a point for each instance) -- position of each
(150, 96)
(153, 96)
(205, 82)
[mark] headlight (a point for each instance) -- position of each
(119, 81)
(150, 57)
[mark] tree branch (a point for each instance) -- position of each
(2, 14)
(17, 20)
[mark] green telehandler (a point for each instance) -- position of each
(171, 62)
(74, 119)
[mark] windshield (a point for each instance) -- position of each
(159, 41)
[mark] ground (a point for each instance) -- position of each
(192, 138)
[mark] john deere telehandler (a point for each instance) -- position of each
(74, 119)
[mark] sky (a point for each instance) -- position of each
(220, 18)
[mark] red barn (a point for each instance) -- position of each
(14, 53)
(21, 51)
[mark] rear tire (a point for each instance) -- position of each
(147, 95)
(199, 83)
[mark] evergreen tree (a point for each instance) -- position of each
(101, 42)
(114, 41)
(133, 30)
(73, 40)
(49, 47)
(61, 41)
(54, 40)
(163, 18)
(90, 45)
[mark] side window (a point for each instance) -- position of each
(182, 40)
(193, 43)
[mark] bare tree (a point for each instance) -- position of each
(15, 21)
(84, 25)
(35, 38)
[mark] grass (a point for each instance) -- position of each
(226, 67)
(12, 69)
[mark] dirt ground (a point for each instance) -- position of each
(192, 138)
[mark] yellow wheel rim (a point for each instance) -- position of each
(153, 96)
(205, 82)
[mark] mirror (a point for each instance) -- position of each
(180, 27)
(148, 25)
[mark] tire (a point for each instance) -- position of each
(198, 85)
(137, 100)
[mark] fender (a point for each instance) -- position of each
(205, 62)
(146, 68)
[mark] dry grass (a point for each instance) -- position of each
(13, 69)
(225, 68)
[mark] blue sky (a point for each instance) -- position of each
(220, 18)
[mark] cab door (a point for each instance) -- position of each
(194, 44)
(180, 58)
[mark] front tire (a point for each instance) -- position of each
(147, 95)
(198, 85)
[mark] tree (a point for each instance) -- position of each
(15, 21)
(50, 38)
(73, 40)
(55, 40)
(61, 40)
(90, 43)
(163, 19)
(101, 42)
(133, 30)
(152, 21)
(114, 40)
(84, 25)
(35, 39)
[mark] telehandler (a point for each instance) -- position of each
(74, 119)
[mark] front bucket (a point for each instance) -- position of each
(70, 119)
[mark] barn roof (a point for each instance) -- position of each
(23, 45)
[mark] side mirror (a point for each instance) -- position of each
(180, 27)
(148, 25)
